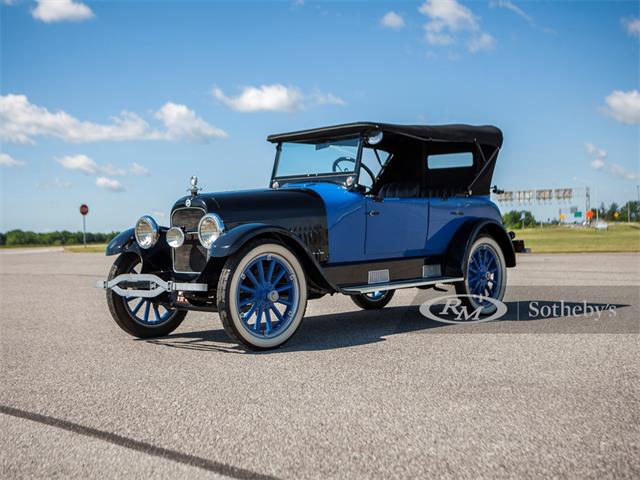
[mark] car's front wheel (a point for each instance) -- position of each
(373, 300)
(485, 276)
(262, 295)
(140, 317)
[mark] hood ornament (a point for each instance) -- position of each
(194, 186)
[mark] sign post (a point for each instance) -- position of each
(84, 209)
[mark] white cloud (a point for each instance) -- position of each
(598, 154)
(482, 42)
(507, 4)
(88, 166)
(109, 184)
(21, 121)
(392, 20)
(81, 163)
(55, 183)
(624, 106)
(277, 98)
(61, 10)
(7, 160)
(274, 98)
(326, 98)
(139, 170)
(632, 25)
(598, 162)
(183, 124)
(448, 19)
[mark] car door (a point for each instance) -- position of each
(396, 227)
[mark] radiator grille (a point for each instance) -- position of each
(191, 256)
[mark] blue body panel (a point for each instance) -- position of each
(362, 228)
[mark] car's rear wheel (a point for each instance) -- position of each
(262, 295)
(485, 276)
(140, 317)
(373, 300)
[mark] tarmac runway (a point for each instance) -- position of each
(354, 394)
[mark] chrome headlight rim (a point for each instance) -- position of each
(219, 225)
(155, 232)
(178, 240)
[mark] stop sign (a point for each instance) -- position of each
(589, 214)
(84, 209)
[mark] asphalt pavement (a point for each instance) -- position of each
(354, 394)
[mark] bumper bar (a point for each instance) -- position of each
(156, 285)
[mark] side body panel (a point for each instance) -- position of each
(396, 227)
(446, 216)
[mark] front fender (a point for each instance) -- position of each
(458, 250)
(123, 242)
(231, 241)
(157, 258)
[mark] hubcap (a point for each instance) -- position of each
(267, 296)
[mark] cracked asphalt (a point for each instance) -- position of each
(354, 394)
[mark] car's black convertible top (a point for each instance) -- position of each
(484, 135)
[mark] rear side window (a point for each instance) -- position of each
(450, 160)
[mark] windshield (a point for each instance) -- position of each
(318, 158)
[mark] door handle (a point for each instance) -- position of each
(373, 213)
(456, 212)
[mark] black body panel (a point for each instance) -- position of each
(301, 212)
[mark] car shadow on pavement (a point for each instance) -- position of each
(340, 330)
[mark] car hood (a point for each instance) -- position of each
(287, 207)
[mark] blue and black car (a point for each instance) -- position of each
(359, 209)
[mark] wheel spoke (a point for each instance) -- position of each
(244, 288)
(156, 312)
(135, 310)
(280, 275)
(267, 319)
(277, 312)
(256, 326)
(146, 310)
(272, 267)
(247, 315)
(252, 277)
(284, 288)
(284, 302)
(260, 271)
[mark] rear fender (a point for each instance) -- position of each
(458, 251)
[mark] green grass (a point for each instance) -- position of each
(562, 239)
(92, 248)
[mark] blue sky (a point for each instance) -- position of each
(201, 85)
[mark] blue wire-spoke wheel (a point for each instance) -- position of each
(146, 311)
(485, 276)
(373, 300)
(267, 296)
(377, 295)
(139, 316)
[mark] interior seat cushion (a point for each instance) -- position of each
(400, 190)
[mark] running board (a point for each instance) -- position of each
(403, 284)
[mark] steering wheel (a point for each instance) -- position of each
(336, 167)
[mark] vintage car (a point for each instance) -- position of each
(360, 209)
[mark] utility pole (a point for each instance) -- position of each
(587, 198)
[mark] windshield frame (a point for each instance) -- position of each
(331, 177)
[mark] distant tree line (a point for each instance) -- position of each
(64, 237)
(629, 212)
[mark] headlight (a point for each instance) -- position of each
(146, 232)
(175, 237)
(210, 228)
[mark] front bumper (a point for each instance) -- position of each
(147, 285)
